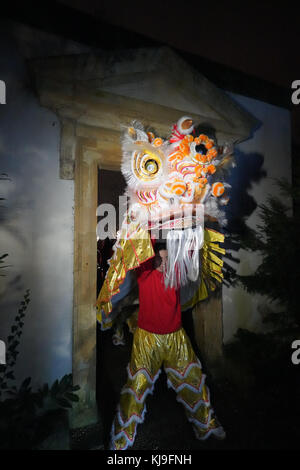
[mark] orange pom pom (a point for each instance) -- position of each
(200, 158)
(211, 169)
(217, 189)
(157, 142)
(202, 182)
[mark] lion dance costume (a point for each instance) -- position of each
(173, 186)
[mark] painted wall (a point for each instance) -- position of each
(37, 217)
(259, 160)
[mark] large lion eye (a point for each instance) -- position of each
(143, 166)
(151, 166)
(147, 165)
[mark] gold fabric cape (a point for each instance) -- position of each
(133, 248)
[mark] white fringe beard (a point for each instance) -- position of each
(183, 256)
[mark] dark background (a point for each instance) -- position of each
(250, 47)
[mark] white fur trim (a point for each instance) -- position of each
(211, 431)
(187, 371)
(198, 423)
(144, 371)
(137, 419)
(186, 385)
(147, 391)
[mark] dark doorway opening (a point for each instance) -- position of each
(111, 360)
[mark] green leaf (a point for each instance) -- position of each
(10, 375)
(65, 382)
(54, 388)
(26, 382)
(63, 402)
(72, 396)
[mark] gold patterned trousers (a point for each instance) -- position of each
(174, 352)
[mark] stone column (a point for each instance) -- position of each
(84, 412)
(208, 324)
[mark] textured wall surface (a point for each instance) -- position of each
(259, 160)
(37, 216)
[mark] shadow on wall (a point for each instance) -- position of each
(249, 169)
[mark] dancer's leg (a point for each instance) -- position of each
(185, 376)
(143, 370)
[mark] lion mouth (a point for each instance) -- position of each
(189, 216)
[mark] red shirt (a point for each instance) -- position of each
(159, 310)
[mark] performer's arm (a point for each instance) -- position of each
(144, 269)
(147, 266)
